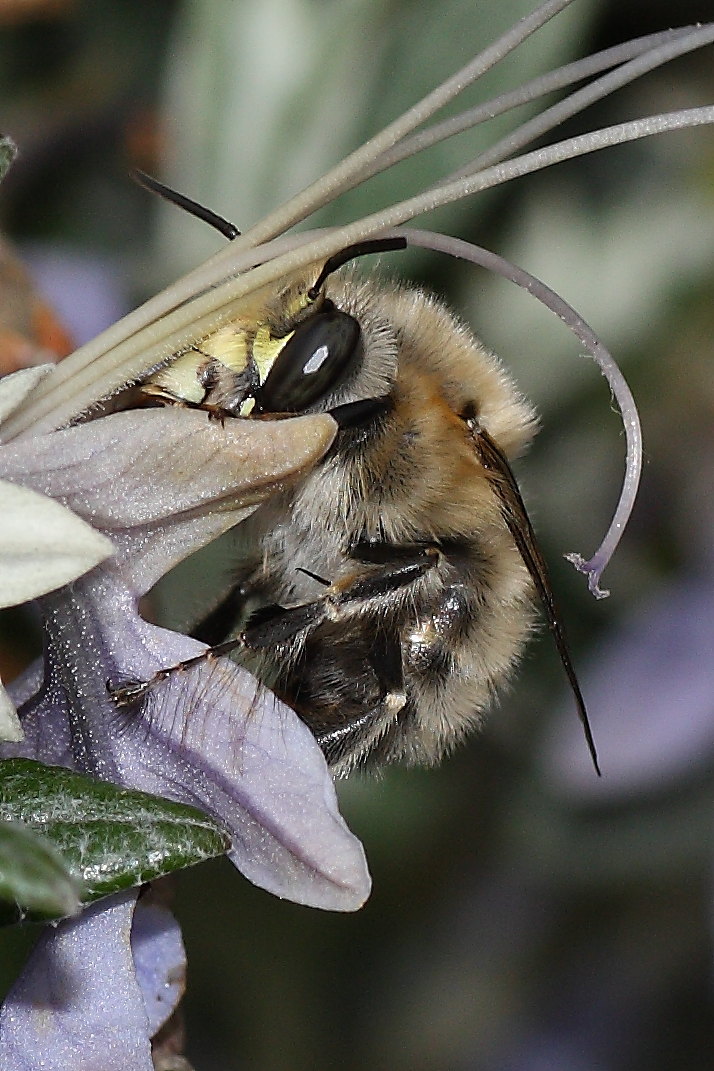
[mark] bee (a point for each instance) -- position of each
(388, 596)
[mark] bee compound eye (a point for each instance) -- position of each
(320, 355)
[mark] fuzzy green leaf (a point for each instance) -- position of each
(110, 838)
(34, 879)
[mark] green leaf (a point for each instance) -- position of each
(110, 838)
(8, 152)
(34, 879)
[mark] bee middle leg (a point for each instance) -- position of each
(400, 566)
(273, 625)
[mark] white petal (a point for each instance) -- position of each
(42, 545)
(15, 388)
(10, 728)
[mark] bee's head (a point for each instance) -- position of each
(341, 350)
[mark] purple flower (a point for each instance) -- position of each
(85, 999)
(159, 484)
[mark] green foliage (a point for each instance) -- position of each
(34, 878)
(8, 152)
(69, 840)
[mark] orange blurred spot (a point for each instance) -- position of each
(30, 331)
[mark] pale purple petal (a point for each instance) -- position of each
(263, 776)
(159, 962)
(160, 483)
(209, 737)
(650, 695)
(77, 1005)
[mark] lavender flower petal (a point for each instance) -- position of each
(159, 962)
(162, 483)
(77, 1005)
(208, 738)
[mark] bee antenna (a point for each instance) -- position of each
(350, 252)
(227, 229)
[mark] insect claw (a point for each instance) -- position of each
(129, 693)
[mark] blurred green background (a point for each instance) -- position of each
(525, 916)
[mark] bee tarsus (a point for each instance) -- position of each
(128, 693)
(132, 692)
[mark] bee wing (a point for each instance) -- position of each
(514, 512)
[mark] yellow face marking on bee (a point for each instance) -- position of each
(180, 380)
(229, 345)
(266, 348)
(235, 358)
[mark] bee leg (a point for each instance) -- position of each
(362, 729)
(387, 663)
(402, 564)
(130, 693)
(276, 624)
(348, 686)
(273, 625)
(379, 552)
